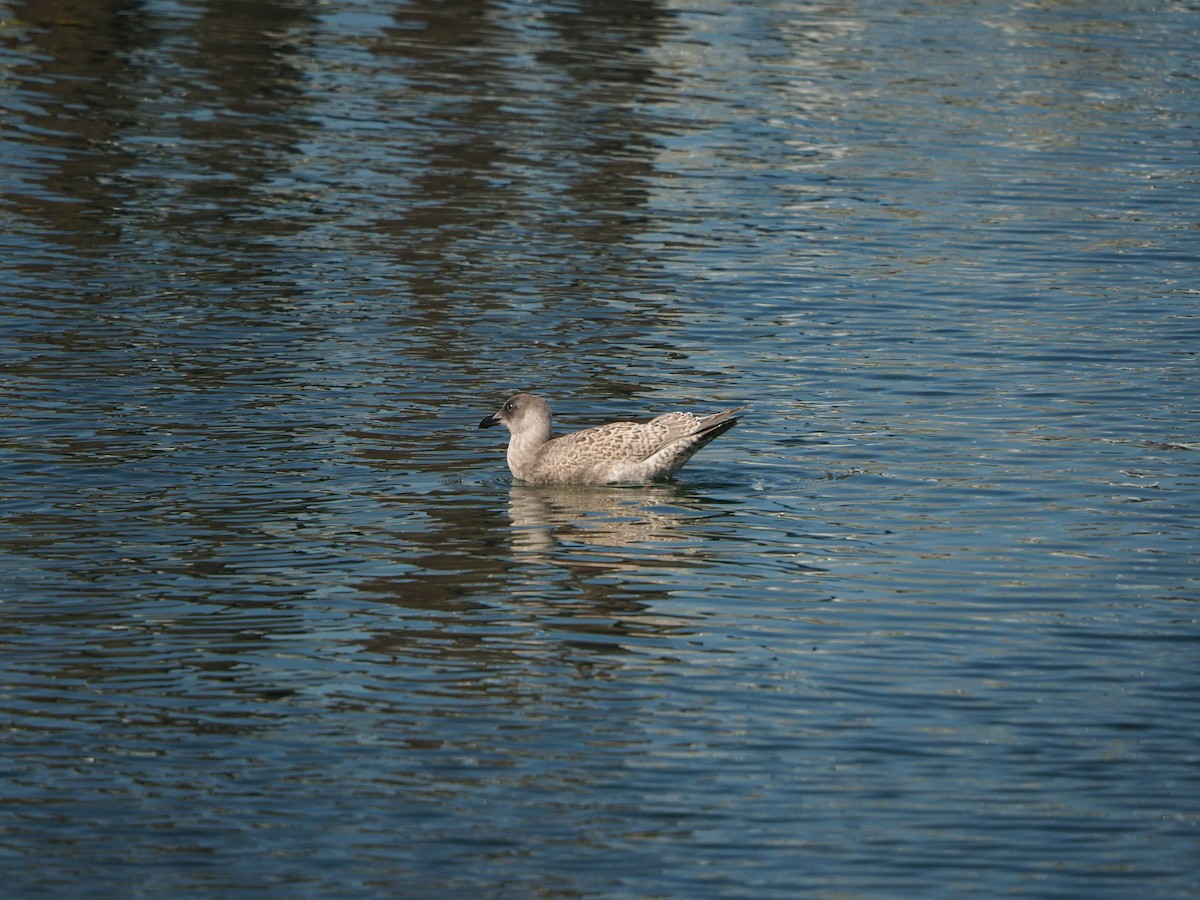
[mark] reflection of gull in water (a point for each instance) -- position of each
(617, 453)
(605, 517)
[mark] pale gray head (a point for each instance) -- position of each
(524, 414)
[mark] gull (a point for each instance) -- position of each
(616, 453)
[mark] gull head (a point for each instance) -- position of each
(522, 414)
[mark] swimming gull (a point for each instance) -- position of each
(620, 452)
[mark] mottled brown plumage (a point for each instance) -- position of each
(620, 452)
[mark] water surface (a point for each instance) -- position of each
(275, 618)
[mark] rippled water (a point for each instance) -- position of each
(275, 618)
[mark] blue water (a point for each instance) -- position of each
(276, 621)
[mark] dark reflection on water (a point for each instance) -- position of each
(274, 618)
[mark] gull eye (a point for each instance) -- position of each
(509, 406)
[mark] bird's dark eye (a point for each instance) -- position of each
(510, 406)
